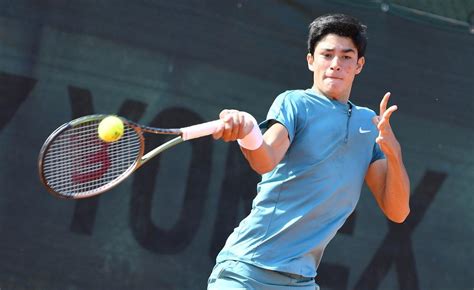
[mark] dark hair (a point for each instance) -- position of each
(339, 24)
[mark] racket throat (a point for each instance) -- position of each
(160, 149)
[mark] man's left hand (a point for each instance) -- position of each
(387, 141)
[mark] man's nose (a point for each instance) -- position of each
(335, 64)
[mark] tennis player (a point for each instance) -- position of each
(318, 149)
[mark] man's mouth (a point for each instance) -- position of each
(333, 77)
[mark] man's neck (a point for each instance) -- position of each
(341, 99)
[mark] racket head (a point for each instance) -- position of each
(75, 163)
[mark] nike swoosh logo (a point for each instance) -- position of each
(362, 131)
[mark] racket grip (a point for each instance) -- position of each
(251, 141)
(200, 130)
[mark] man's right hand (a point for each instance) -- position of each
(235, 125)
(270, 150)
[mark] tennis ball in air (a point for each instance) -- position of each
(110, 129)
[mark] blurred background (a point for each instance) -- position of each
(176, 63)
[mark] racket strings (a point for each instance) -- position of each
(78, 164)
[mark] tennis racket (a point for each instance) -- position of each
(75, 163)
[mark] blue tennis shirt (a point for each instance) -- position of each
(306, 198)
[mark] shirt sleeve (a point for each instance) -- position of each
(284, 111)
(377, 153)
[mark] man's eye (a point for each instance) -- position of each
(347, 57)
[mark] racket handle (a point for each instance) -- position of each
(200, 130)
(251, 141)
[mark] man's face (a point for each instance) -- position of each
(334, 65)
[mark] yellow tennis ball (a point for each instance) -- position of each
(110, 129)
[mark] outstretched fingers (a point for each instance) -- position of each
(383, 103)
(384, 120)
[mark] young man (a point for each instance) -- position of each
(314, 157)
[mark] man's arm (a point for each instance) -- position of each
(274, 146)
(389, 183)
(387, 178)
(269, 154)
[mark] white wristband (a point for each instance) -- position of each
(254, 139)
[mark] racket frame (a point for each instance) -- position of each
(183, 134)
(76, 122)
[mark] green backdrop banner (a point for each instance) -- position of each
(176, 63)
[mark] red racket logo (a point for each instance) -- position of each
(90, 166)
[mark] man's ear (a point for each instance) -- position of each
(360, 65)
(310, 60)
